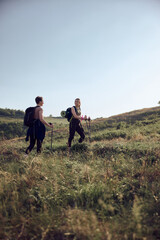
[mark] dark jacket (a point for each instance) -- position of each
(37, 131)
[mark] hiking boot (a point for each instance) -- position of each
(80, 140)
(27, 151)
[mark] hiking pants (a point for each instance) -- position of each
(32, 143)
(75, 126)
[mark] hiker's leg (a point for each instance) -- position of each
(32, 143)
(80, 131)
(72, 129)
(39, 145)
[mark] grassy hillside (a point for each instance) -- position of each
(11, 123)
(107, 189)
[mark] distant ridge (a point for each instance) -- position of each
(6, 112)
(133, 115)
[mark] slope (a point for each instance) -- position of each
(107, 189)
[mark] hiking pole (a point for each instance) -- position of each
(51, 139)
(51, 136)
(88, 128)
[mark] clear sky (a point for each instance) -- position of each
(106, 52)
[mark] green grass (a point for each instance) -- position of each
(14, 127)
(107, 189)
(9, 119)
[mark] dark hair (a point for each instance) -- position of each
(38, 99)
(77, 99)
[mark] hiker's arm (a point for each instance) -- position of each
(42, 119)
(74, 113)
(76, 116)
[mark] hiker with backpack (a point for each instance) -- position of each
(34, 120)
(75, 123)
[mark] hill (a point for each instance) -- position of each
(11, 113)
(134, 115)
(11, 123)
(107, 189)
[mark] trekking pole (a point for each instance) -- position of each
(51, 139)
(51, 136)
(88, 128)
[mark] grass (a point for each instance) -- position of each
(107, 189)
(13, 127)
(59, 121)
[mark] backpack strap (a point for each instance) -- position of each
(35, 109)
(72, 114)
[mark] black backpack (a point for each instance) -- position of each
(67, 114)
(29, 116)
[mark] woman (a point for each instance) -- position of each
(75, 124)
(37, 131)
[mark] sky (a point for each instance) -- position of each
(106, 52)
